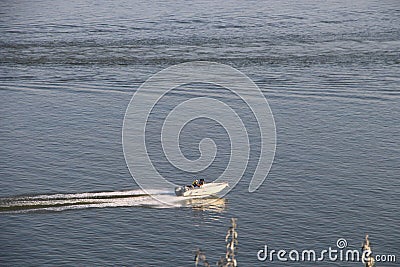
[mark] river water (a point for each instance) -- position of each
(68, 69)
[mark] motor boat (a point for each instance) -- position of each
(201, 190)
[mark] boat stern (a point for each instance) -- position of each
(179, 191)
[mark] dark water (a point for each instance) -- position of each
(330, 71)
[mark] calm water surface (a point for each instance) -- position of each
(330, 71)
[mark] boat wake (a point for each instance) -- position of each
(130, 198)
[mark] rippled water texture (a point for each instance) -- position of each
(68, 69)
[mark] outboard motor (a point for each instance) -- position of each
(180, 190)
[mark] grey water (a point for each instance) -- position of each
(68, 69)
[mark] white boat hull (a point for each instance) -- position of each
(204, 190)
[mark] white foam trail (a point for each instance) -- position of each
(132, 198)
(129, 193)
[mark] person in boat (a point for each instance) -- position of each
(201, 182)
(195, 183)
